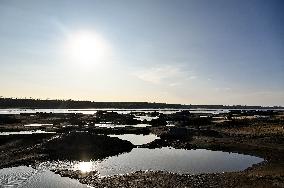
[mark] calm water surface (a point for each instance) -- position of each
(166, 159)
(121, 111)
(38, 125)
(25, 132)
(111, 125)
(135, 139)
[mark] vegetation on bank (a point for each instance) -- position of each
(73, 104)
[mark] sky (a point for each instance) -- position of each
(186, 51)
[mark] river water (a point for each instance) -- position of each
(121, 111)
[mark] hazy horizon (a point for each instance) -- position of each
(185, 52)
(63, 99)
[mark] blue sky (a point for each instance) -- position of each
(185, 51)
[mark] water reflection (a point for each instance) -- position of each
(38, 125)
(111, 125)
(175, 160)
(27, 177)
(137, 139)
(165, 159)
(147, 118)
(25, 132)
(120, 111)
(84, 167)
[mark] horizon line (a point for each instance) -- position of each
(153, 102)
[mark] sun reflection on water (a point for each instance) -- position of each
(84, 167)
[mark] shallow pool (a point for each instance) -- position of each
(166, 159)
(27, 177)
(136, 139)
(25, 132)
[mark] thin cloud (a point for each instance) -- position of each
(175, 84)
(166, 74)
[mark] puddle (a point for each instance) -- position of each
(170, 125)
(110, 125)
(25, 132)
(37, 125)
(147, 118)
(142, 125)
(137, 139)
(27, 177)
(166, 159)
(175, 160)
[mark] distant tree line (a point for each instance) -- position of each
(73, 104)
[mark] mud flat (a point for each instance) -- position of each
(75, 137)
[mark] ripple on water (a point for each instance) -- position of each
(27, 177)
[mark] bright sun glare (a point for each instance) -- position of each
(87, 48)
(84, 167)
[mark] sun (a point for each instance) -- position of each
(87, 48)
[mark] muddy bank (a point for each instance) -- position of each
(163, 179)
(22, 149)
(85, 146)
(34, 148)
